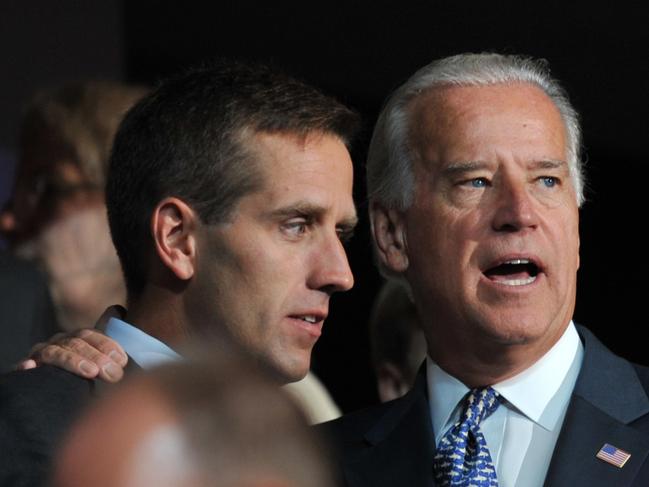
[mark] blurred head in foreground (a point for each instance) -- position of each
(212, 422)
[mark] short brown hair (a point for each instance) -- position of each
(188, 139)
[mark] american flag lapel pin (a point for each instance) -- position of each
(613, 455)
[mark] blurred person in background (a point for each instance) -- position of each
(396, 339)
(56, 216)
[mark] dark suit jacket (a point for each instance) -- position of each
(393, 445)
(26, 311)
(37, 407)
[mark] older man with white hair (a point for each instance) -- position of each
(475, 182)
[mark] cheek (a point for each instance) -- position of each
(442, 239)
(265, 284)
(566, 237)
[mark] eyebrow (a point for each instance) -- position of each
(464, 167)
(549, 164)
(469, 166)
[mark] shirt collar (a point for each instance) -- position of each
(530, 391)
(445, 392)
(144, 349)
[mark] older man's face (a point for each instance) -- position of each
(492, 236)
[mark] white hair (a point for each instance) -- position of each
(390, 179)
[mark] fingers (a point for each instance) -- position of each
(26, 364)
(87, 353)
(30, 362)
(70, 354)
(41, 345)
(105, 345)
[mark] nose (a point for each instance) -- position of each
(330, 270)
(515, 210)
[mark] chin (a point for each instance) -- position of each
(514, 338)
(286, 376)
(294, 371)
(520, 333)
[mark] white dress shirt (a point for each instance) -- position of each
(143, 349)
(522, 432)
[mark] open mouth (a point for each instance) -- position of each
(514, 272)
(310, 323)
(309, 319)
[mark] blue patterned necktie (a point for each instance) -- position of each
(462, 458)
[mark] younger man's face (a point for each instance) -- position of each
(267, 274)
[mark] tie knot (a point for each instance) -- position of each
(480, 403)
(462, 457)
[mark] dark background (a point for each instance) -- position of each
(360, 51)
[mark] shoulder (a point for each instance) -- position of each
(36, 409)
(41, 401)
(45, 381)
(609, 367)
(643, 377)
(352, 436)
(26, 308)
(380, 423)
(377, 422)
(386, 444)
(354, 425)
(643, 374)
(613, 384)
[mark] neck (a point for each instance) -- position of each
(487, 362)
(158, 313)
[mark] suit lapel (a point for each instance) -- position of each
(607, 397)
(586, 429)
(400, 445)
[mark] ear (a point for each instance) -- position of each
(173, 226)
(388, 229)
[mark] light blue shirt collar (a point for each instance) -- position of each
(143, 349)
(530, 391)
